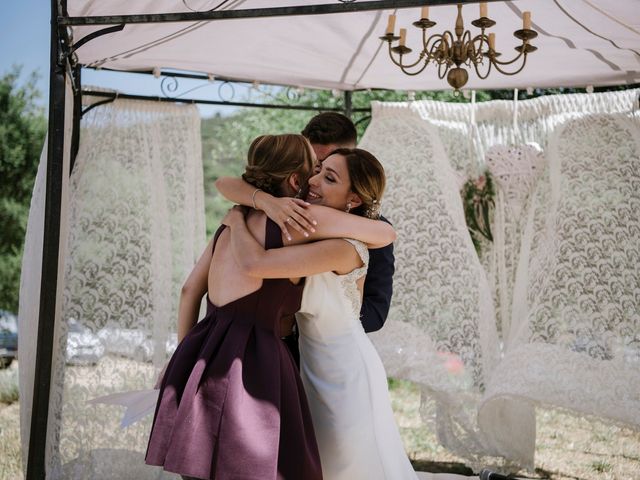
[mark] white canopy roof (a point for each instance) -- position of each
(580, 42)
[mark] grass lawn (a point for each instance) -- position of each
(567, 447)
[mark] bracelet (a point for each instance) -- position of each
(253, 198)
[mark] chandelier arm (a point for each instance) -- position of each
(476, 66)
(446, 58)
(446, 69)
(393, 59)
(504, 72)
(433, 49)
(465, 39)
(425, 40)
(431, 41)
(466, 36)
(477, 54)
(399, 61)
(420, 59)
(448, 32)
(420, 70)
(509, 62)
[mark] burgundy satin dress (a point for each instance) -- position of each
(231, 404)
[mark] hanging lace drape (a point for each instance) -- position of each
(136, 227)
(31, 274)
(549, 313)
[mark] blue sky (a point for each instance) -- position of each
(24, 36)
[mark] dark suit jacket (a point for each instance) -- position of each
(378, 287)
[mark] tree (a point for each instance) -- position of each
(22, 131)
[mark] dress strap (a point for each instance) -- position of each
(273, 235)
(216, 236)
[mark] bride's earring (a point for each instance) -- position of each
(348, 207)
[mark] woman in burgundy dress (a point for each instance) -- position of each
(231, 404)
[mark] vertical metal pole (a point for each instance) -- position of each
(48, 284)
(348, 107)
(77, 115)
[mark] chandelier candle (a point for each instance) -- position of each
(484, 13)
(403, 37)
(391, 24)
(453, 53)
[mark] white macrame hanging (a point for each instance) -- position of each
(515, 170)
(566, 336)
(136, 228)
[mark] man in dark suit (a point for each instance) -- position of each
(326, 132)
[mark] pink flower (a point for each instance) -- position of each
(481, 182)
(452, 362)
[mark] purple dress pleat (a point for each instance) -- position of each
(231, 404)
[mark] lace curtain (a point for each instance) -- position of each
(549, 312)
(136, 227)
(31, 274)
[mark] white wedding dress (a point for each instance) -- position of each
(346, 383)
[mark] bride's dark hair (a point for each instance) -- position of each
(272, 159)
(367, 178)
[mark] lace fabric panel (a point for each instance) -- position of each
(575, 336)
(136, 227)
(464, 416)
(29, 305)
(441, 327)
(30, 280)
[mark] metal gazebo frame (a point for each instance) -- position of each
(61, 50)
(61, 53)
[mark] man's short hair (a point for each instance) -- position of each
(330, 128)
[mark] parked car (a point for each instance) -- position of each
(133, 343)
(83, 346)
(8, 338)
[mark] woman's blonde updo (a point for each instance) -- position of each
(272, 159)
(367, 179)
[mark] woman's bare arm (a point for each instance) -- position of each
(193, 289)
(285, 211)
(290, 262)
(334, 223)
(329, 222)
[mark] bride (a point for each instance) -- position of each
(343, 376)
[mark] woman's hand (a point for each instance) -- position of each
(287, 212)
(234, 215)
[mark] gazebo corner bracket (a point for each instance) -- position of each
(96, 34)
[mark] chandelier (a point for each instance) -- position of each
(450, 54)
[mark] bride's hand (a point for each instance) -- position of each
(234, 215)
(287, 212)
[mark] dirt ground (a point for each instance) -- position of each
(567, 447)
